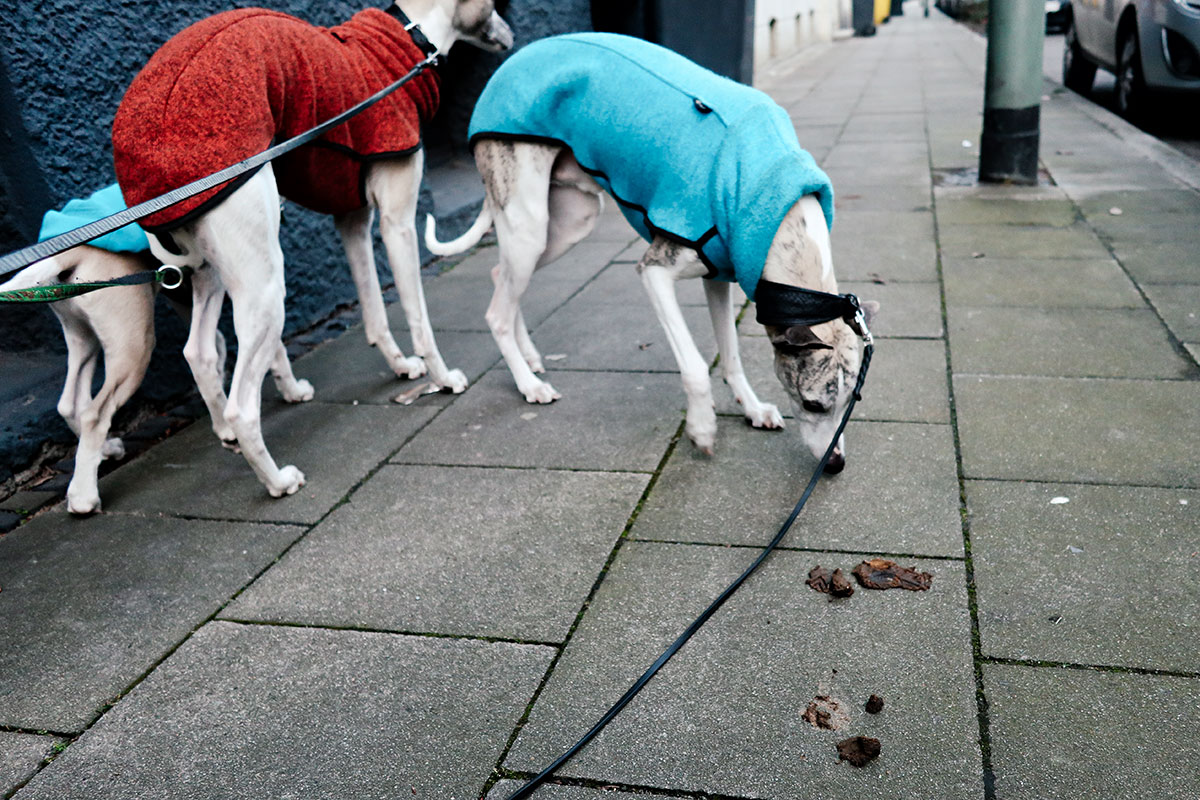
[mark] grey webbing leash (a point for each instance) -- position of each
(19, 259)
(844, 302)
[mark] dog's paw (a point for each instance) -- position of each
(704, 438)
(301, 392)
(765, 416)
(112, 448)
(541, 393)
(290, 481)
(231, 445)
(81, 503)
(411, 368)
(455, 383)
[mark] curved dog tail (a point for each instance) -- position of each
(478, 228)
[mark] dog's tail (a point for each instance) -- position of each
(478, 228)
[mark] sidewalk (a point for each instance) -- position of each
(466, 583)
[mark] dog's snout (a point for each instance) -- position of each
(836, 463)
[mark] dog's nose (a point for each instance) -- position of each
(836, 463)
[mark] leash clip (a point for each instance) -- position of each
(860, 322)
(175, 279)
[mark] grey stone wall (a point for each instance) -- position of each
(67, 66)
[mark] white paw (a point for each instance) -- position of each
(302, 392)
(112, 448)
(456, 381)
(705, 440)
(411, 367)
(765, 416)
(231, 445)
(82, 501)
(541, 392)
(290, 481)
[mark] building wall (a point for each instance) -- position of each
(784, 27)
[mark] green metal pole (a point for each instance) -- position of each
(1012, 100)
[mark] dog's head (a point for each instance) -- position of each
(477, 22)
(818, 367)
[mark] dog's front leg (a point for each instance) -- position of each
(720, 308)
(355, 230)
(663, 264)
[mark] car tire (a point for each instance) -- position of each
(1131, 84)
(1078, 72)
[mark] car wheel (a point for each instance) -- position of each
(1131, 85)
(1078, 72)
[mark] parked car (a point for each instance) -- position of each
(1149, 45)
(1058, 15)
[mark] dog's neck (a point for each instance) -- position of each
(799, 254)
(435, 20)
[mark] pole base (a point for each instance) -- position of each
(1008, 149)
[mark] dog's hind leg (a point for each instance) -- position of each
(291, 388)
(240, 240)
(517, 177)
(394, 187)
(355, 231)
(662, 265)
(720, 308)
(205, 351)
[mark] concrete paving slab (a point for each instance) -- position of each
(1070, 342)
(335, 446)
(855, 194)
(1158, 262)
(1020, 241)
(348, 370)
(974, 210)
(898, 493)
(915, 174)
(907, 310)
(458, 551)
(90, 605)
(633, 253)
(724, 717)
(458, 302)
(852, 154)
(901, 127)
(261, 711)
(1082, 733)
(884, 245)
(618, 336)
(1179, 306)
(1139, 207)
(621, 284)
(906, 382)
(1074, 429)
(1102, 577)
(1058, 283)
(20, 756)
(492, 425)
(550, 791)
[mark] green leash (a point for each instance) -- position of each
(166, 276)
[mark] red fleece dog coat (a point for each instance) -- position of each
(230, 86)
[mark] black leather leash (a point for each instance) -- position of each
(790, 308)
(19, 259)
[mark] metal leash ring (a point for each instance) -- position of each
(176, 276)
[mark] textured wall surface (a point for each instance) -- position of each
(68, 64)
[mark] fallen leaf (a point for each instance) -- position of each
(879, 573)
(858, 750)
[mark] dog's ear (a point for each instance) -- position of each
(798, 339)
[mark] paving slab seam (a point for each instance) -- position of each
(1070, 378)
(498, 771)
(786, 548)
(1076, 482)
(526, 468)
(467, 637)
(981, 701)
(632, 788)
(36, 731)
(1117, 668)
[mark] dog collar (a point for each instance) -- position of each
(787, 306)
(414, 30)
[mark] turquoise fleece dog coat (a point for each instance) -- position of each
(100, 204)
(686, 153)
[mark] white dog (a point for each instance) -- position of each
(230, 236)
(568, 117)
(116, 325)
